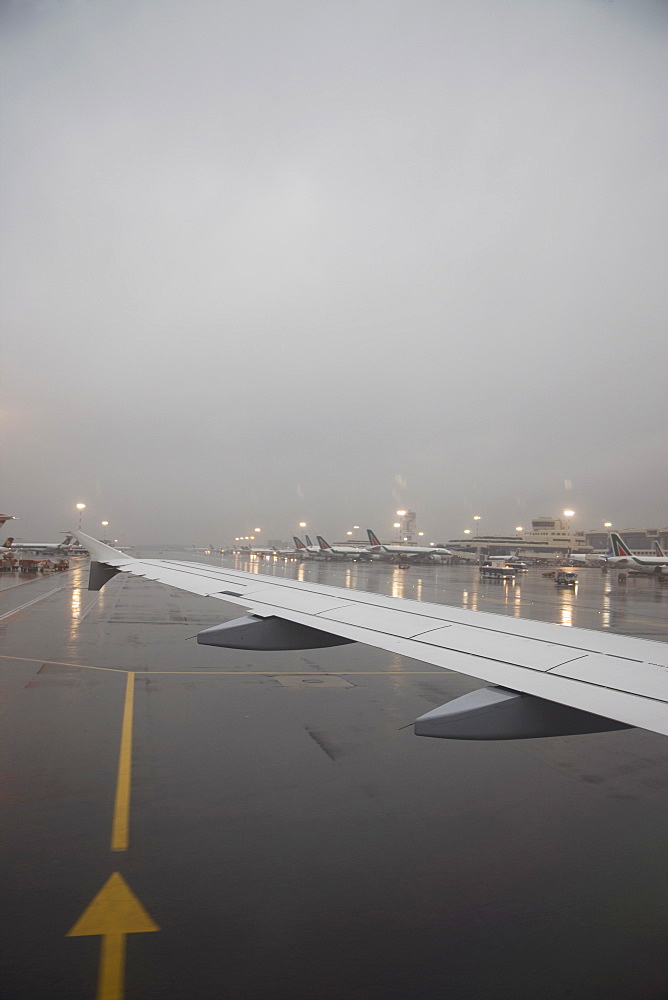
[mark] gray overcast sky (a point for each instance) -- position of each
(302, 260)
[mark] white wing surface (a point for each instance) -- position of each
(570, 679)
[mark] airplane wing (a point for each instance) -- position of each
(544, 679)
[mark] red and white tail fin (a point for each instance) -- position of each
(373, 538)
(299, 545)
(325, 546)
(619, 546)
(658, 551)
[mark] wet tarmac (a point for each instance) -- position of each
(278, 834)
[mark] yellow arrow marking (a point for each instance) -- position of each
(113, 913)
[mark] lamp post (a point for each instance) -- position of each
(476, 518)
(81, 508)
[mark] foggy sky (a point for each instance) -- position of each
(266, 262)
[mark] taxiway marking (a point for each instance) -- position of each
(43, 597)
(113, 913)
(227, 673)
(120, 830)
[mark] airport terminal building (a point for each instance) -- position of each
(550, 538)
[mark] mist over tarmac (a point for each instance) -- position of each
(270, 262)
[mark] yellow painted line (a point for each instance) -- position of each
(62, 663)
(120, 830)
(112, 914)
(224, 673)
(111, 977)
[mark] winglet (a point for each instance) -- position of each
(99, 551)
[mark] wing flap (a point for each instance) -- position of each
(391, 620)
(647, 679)
(522, 652)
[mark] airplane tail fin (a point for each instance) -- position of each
(658, 550)
(308, 541)
(7, 544)
(373, 539)
(325, 546)
(299, 545)
(619, 546)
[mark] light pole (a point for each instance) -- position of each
(476, 518)
(105, 524)
(81, 508)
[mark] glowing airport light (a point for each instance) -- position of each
(476, 517)
(104, 524)
(257, 530)
(349, 532)
(607, 524)
(396, 524)
(467, 531)
(81, 508)
(356, 526)
(519, 528)
(420, 533)
(302, 524)
(569, 513)
(401, 513)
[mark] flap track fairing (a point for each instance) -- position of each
(271, 633)
(495, 713)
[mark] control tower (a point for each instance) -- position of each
(407, 521)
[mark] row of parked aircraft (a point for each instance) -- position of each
(68, 546)
(619, 556)
(376, 550)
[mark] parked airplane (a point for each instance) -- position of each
(308, 551)
(67, 545)
(545, 680)
(407, 553)
(342, 551)
(587, 559)
(622, 557)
